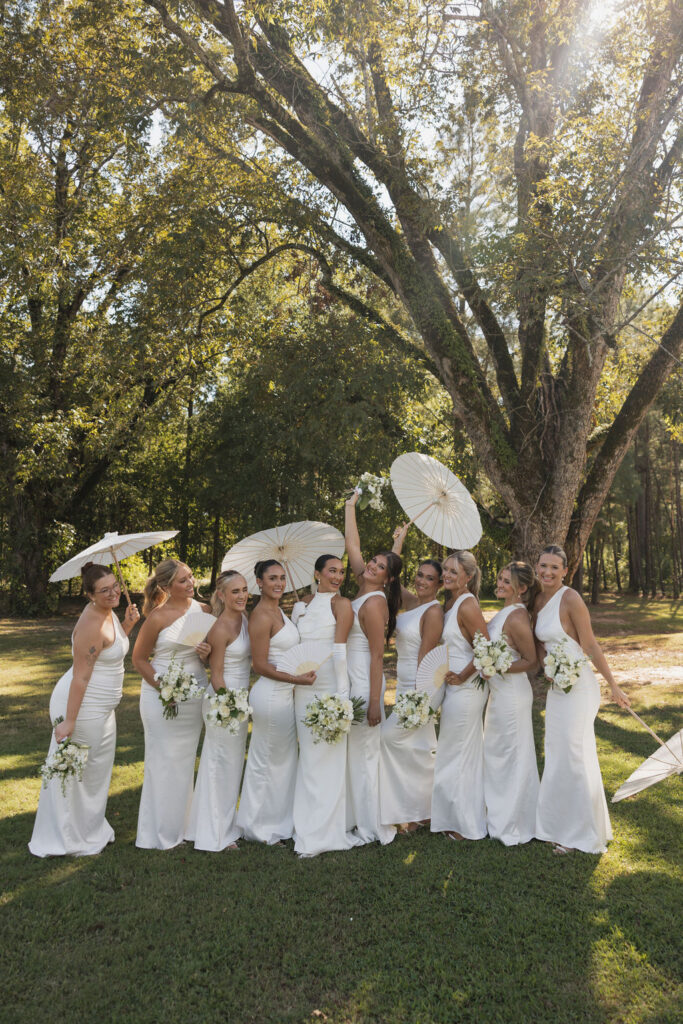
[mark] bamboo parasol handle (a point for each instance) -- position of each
(415, 518)
(289, 576)
(661, 742)
(123, 582)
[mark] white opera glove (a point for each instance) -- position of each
(298, 611)
(341, 674)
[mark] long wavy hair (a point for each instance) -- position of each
(392, 588)
(523, 575)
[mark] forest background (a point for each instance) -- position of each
(251, 251)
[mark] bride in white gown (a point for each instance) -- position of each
(170, 744)
(85, 697)
(213, 818)
(266, 807)
(572, 810)
(320, 791)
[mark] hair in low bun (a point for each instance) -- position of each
(469, 563)
(523, 575)
(158, 583)
(91, 573)
(217, 602)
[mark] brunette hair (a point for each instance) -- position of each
(434, 564)
(469, 564)
(217, 602)
(261, 567)
(158, 583)
(555, 549)
(523, 575)
(91, 573)
(322, 560)
(392, 587)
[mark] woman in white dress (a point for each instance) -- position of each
(510, 770)
(406, 767)
(86, 697)
(320, 791)
(213, 818)
(374, 619)
(458, 807)
(170, 744)
(266, 808)
(572, 810)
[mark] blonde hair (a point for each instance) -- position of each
(158, 583)
(523, 575)
(217, 602)
(469, 563)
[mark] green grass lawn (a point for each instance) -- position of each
(421, 931)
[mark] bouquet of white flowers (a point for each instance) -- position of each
(371, 489)
(491, 657)
(561, 668)
(68, 761)
(413, 710)
(228, 708)
(329, 716)
(176, 686)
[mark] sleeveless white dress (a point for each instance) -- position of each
(75, 823)
(363, 809)
(458, 795)
(510, 770)
(170, 749)
(406, 767)
(571, 809)
(320, 792)
(265, 813)
(213, 824)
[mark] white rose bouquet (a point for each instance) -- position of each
(371, 489)
(330, 716)
(413, 710)
(228, 708)
(68, 761)
(491, 657)
(176, 686)
(561, 668)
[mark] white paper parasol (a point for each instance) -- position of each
(431, 674)
(435, 500)
(295, 546)
(303, 658)
(112, 548)
(190, 629)
(666, 761)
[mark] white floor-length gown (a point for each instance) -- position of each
(510, 770)
(458, 795)
(170, 749)
(406, 767)
(363, 809)
(320, 792)
(265, 813)
(213, 818)
(75, 823)
(571, 809)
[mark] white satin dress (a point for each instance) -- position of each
(458, 795)
(320, 792)
(363, 808)
(571, 809)
(170, 749)
(266, 807)
(510, 770)
(75, 823)
(213, 818)
(406, 767)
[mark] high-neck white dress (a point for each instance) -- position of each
(572, 809)
(363, 808)
(213, 818)
(266, 807)
(75, 823)
(510, 769)
(320, 793)
(458, 795)
(406, 767)
(170, 749)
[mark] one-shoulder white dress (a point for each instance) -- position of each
(363, 808)
(572, 809)
(75, 823)
(510, 770)
(170, 749)
(213, 818)
(265, 812)
(406, 767)
(458, 796)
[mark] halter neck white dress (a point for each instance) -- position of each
(510, 770)
(320, 792)
(572, 809)
(458, 795)
(75, 823)
(213, 818)
(170, 749)
(265, 813)
(406, 767)
(363, 807)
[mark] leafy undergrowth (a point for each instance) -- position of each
(422, 931)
